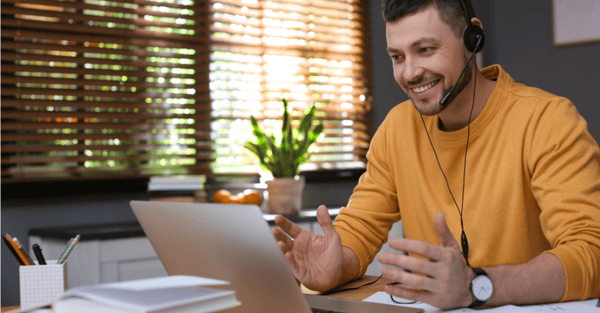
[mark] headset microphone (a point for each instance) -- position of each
(473, 38)
(444, 102)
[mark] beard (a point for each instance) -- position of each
(429, 107)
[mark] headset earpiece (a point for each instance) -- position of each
(471, 36)
(473, 33)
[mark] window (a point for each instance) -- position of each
(98, 89)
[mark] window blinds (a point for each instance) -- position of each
(95, 89)
(309, 52)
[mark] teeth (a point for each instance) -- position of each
(424, 88)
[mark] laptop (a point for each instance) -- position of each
(234, 243)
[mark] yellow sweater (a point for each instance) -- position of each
(532, 184)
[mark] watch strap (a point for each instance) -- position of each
(476, 302)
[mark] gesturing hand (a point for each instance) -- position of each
(316, 261)
(441, 279)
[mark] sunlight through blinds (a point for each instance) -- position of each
(99, 89)
(104, 89)
(309, 52)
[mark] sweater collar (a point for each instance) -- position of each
(493, 72)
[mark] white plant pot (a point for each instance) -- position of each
(285, 195)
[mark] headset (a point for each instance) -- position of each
(473, 38)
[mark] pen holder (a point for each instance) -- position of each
(42, 284)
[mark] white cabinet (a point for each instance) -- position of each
(102, 261)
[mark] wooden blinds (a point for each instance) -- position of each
(95, 89)
(307, 51)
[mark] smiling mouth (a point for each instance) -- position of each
(425, 88)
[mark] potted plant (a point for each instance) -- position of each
(282, 155)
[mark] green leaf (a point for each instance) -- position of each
(286, 117)
(316, 131)
(306, 122)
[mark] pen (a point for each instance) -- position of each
(16, 249)
(72, 244)
(38, 254)
(9, 244)
(23, 251)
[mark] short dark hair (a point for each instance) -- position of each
(451, 11)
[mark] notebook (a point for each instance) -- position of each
(234, 243)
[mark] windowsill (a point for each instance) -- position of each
(96, 187)
(105, 231)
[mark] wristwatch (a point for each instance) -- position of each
(481, 287)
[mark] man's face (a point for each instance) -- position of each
(427, 58)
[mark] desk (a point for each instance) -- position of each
(358, 295)
(363, 292)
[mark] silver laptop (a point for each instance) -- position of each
(234, 243)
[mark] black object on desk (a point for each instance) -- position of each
(38, 254)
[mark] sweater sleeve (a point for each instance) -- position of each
(372, 209)
(565, 180)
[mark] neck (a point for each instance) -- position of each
(456, 115)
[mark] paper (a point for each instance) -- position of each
(149, 294)
(383, 297)
(587, 306)
(165, 282)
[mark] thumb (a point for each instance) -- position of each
(446, 238)
(325, 221)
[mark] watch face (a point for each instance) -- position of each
(482, 287)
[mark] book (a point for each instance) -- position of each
(171, 294)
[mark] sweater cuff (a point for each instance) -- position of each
(353, 243)
(574, 272)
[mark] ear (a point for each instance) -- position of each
(476, 22)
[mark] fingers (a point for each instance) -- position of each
(446, 238)
(325, 222)
(409, 280)
(288, 226)
(282, 238)
(417, 247)
(415, 265)
(405, 292)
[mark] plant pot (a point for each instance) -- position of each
(285, 195)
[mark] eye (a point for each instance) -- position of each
(396, 57)
(425, 49)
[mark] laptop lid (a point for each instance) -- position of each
(227, 242)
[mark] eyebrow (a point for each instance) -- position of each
(421, 41)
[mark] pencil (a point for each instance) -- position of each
(63, 258)
(12, 249)
(23, 251)
(14, 245)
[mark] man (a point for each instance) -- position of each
(530, 183)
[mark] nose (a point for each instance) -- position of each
(413, 71)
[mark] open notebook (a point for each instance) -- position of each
(234, 243)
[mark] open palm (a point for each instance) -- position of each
(316, 261)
